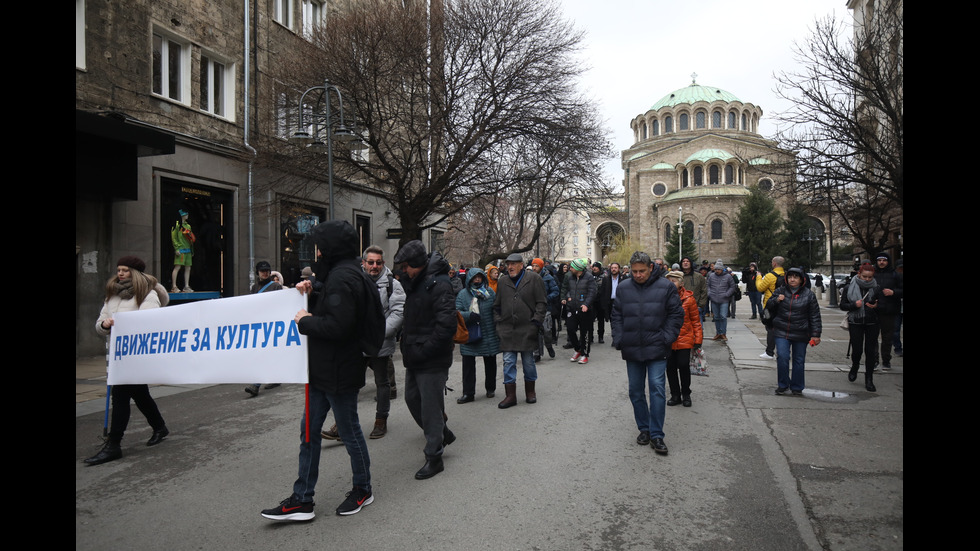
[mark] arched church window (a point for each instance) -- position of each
(698, 176)
(729, 174)
(745, 125)
(689, 227)
(684, 122)
(701, 119)
(713, 175)
(668, 124)
(731, 121)
(656, 128)
(667, 232)
(716, 119)
(643, 131)
(684, 182)
(716, 228)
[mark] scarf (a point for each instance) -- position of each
(124, 289)
(859, 289)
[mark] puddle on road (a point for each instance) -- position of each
(825, 394)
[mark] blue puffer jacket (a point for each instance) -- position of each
(646, 319)
(489, 345)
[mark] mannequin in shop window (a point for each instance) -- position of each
(183, 239)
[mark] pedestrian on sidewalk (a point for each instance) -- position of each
(266, 282)
(131, 289)
(860, 301)
(691, 336)
(769, 283)
(427, 346)
(518, 311)
(795, 323)
(647, 318)
(721, 287)
(892, 289)
(336, 325)
(475, 304)
(578, 292)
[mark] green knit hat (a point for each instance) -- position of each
(579, 264)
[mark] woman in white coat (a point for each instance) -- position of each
(129, 290)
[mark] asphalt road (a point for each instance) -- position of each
(746, 469)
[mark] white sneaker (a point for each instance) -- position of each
(767, 356)
(576, 356)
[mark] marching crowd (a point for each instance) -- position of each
(360, 309)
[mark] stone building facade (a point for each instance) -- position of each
(696, 152)
(178, 110)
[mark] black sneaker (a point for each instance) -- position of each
(356, 499)
(781, 390)
(290, 509)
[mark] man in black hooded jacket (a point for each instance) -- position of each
(427, 346)
(891, 285)
(339, 305)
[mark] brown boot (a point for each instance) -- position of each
(511, 400)
(380, 429)
(529, 392)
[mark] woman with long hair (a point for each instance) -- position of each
(129, 290)
(860, 301)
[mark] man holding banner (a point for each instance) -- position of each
(335, 327)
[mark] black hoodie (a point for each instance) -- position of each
(338, 305)
(430, 318)
(888, 278)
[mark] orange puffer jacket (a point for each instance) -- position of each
(691, 331)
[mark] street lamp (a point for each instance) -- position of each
(830, 235)
(809, 236)
(324, 123)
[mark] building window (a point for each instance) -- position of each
(659, 189)
(667, 232)
(643, 130)
(713, 175)
(217, 86)
(282, 12)
(731, 121)
(765, 184)
(729, 174)
(684, 182)
(701, 119)
(716, 119)
(287, 112)
(698, 176)
(684, 125)
(745, 125)
(362, 223)
(314, 14)
(716, 227)
(656, 128)
(668, 124)
(689, 227)
(171, 67)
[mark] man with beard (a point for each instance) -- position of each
(427, 346)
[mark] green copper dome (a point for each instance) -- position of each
(694, 93)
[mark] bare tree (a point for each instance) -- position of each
(847, 121)
(444, 95)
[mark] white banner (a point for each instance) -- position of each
(246, 339)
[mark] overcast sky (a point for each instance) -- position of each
(641, 50)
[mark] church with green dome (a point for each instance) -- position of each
(696, 152)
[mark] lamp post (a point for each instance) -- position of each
(830, 233)
(323, 122)
(810, 238)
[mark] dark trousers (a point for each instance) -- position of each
(579, 326)
(864, 338)
(679, 366)
(887, 324)
(380, 368)
(600, 316)
(121, 395)
(425, 398)
(770, 341)
(469, 374)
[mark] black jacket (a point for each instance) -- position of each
(337, 304)
(430, 318)
(889, 279)
(646, 319)
(796, 317)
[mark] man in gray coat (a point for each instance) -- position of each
(519, 309)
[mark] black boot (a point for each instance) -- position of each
(511, 399)
(431, 468)
(869, 381)
(852, 375)
(158, 436)
(109, 452)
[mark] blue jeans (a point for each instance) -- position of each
(527, 362)
(344, 407)
(651, 372)
(755, 298)
(719, 312)
(784, 349)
